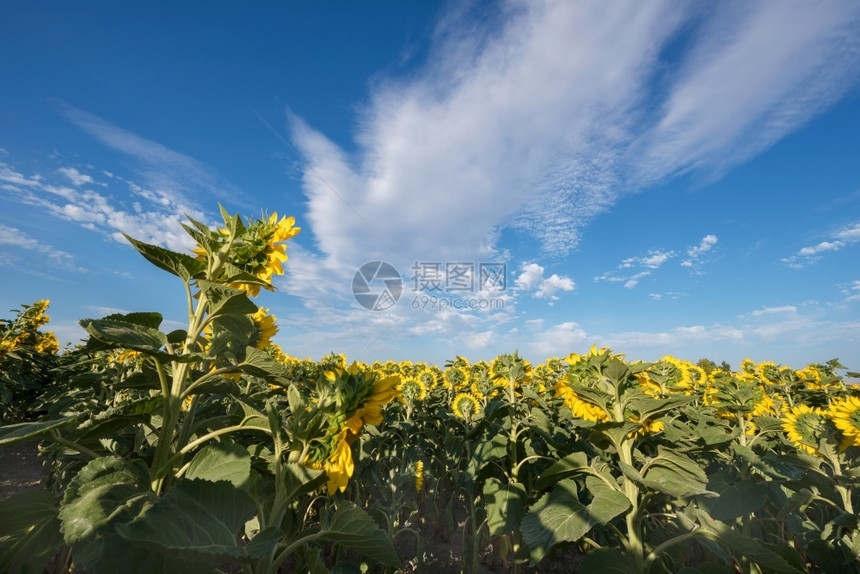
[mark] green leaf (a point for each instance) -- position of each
(734, 500)
(504, 504)
(570, 465)
(225, 300)
(222, 461)
(151, 319)
(20, 432)
(352, 527)
(675, 474)
(234, 274)
(647, 407)
(496, 447)
(29, 531)
(106, 492)
(607, 502)
(260, 364)
(253, 419)
(772, 465)
(557, 517)
(606, 561)
(713, 434)
(795, 502)
(746, 546)
(178, 264)
(199, 520)
(124, 334)
(616, 370)
(299, 480)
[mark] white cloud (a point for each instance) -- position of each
(9, 175)
(668, 295)
(840, 238)
(12, 237)
(694, 253)
(546, 117)
(532, 278)
(558, 340)
(553, 284)
(105, 211)
(77, 178)
(821, 248)
(773, 310)
(534, 126)
(647, 265)
(852, 291)
(165, 171)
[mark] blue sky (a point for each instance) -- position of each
(661, 178)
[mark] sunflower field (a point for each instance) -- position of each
(211, 449)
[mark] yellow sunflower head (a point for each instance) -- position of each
(412, 390)
(845, 414)
(266, 327)
(805, 426)
(748, 367)
(579, 408)
(456, 378)
(419, 476)
(465, 406)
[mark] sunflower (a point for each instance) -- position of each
(266, 327)
(804, 426)
(579, 408)
(46, 343)
(678, 372)
(412, 389)
(428, 378)
(339, 466)
(456, 378)
(419, 475)
(698, 375)
(748, 367)
(383, 392)
(810, 376)
(764, 407)
(465, 406)
(846, 416)
(648, 426)
(768, 371)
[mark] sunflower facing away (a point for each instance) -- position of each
(805, 426)
(846, 416)
(465, 406)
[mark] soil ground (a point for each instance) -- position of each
(20, 468)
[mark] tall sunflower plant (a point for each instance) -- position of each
(630, 493)
(229, 463)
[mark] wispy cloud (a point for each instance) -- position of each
(165, 171)
(695, 253)
(772, 333)
(550, 115)
(840, 239)
(77, 178)
(852, 291)
(633, 269)
(773, 310)
(124, 207)
(14, 238)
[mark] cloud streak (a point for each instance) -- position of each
(840, 239)
(549, 115)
